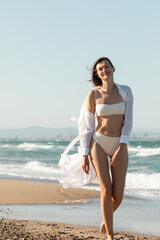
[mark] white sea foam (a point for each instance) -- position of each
(61, 147)
(36, 166)
(6, 145)
(32, 170)
(144, 152)
(97, 188)
(143, 181)
(142, 184)
(34, 146)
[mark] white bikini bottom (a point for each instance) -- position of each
(108, 144)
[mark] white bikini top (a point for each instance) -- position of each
(109, 109)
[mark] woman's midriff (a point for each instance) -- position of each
(110, 125)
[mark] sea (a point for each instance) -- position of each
(38, 161)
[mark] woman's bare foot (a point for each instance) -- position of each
(110, 238)
(103, 228)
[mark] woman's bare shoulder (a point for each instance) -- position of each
(91, 100)
(92, 92)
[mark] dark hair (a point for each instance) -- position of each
(95, 79)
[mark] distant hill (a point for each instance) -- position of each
(38, 132)
(145, 133)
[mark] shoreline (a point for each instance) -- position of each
(46, 202)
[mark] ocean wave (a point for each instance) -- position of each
(143, 181)
(33, 169)
(6, 145)
(144, 152)
(61, 147)
(142, 184)
(34, 146)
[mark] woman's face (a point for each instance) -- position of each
(105, 70)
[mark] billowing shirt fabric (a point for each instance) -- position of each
(87, 123)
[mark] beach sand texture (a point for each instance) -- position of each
(27, 230)
(18, 192)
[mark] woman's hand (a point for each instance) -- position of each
(85, 164)
(119, 155)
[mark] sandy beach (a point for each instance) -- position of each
(18, 192)
(15, 229)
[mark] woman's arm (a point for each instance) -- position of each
(91, 101)
(87, 122)
(90, 123)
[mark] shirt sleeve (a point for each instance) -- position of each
(128, 120)
(86, 125)
(90, 127)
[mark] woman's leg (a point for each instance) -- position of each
(118, 181)
(118, 184)
(100, 163)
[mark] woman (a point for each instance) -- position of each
(112, 103)
(105, 125)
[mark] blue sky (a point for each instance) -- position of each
(48, 46)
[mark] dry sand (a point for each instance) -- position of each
(25, 230)
(18, 192)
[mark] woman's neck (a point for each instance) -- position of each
(108, 86)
